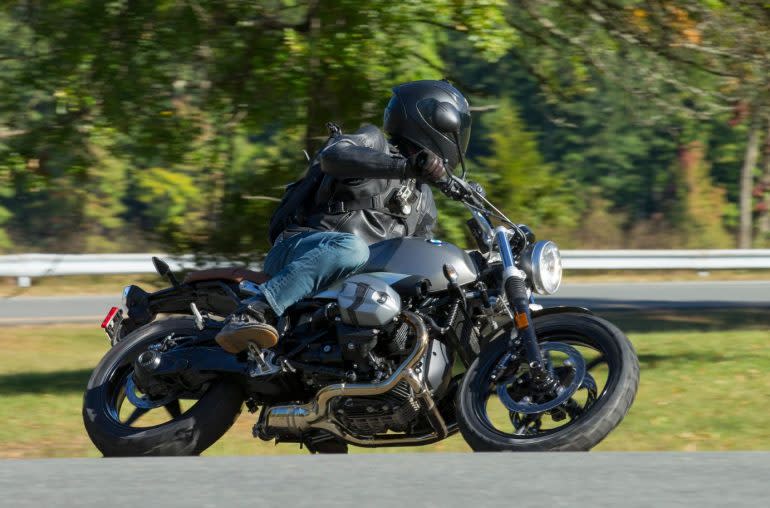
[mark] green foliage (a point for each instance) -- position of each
(699, 203)
(172, 201)
(174, 125)
(517, 178)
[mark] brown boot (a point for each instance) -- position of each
(249, 323)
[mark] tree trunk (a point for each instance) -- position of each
(747, 186)
(315, 93)
(763, 222)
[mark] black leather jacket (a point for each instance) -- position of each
(366, 191)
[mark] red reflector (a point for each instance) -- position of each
(110, 315)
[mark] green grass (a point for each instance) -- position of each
(80, 285)
(701, 388)
(114, 284)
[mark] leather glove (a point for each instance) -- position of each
(427, 165)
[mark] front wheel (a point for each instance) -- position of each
(598, 372)
(183, 424)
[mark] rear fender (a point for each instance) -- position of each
(217, 297)
(213, 296)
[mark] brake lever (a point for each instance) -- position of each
(456, 188)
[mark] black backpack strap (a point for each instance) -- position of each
(391, 202)
(375, 202)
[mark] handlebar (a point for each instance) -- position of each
(474, 197)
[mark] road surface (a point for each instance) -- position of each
(400, 480)
(52, 309)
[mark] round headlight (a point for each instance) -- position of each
(545, 267)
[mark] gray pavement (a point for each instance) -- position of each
(699, 294)
(402, 480)
(52, 309)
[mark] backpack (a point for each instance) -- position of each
(298, 195)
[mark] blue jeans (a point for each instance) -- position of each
(306, 263)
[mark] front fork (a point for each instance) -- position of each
(515, 286)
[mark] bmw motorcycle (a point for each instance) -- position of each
(427, 340)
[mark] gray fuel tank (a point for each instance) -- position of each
(417, 256)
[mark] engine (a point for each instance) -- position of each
(395, 411)
(367, 341)
(389, 379)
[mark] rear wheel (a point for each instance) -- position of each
(598, 372)
(122, 422)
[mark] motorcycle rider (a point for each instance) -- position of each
(371, 190)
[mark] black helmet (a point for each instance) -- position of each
(426, 113)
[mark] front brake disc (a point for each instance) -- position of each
(526, 405)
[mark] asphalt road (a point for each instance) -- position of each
(701, 294)
(440, 480)
(53, 309)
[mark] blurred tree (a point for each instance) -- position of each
(698, 204)
(763, 194)
(517, 177)
(132, 123)
(171, 84)
(715, 54)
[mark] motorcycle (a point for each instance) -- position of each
(425, 341)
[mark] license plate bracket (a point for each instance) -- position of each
(111, 323)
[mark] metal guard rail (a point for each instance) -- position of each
(26, 266)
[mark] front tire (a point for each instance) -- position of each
(579, 434)
(188, 433)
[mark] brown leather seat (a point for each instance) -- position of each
(231, 274)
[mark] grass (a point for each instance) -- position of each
(704, 387)
(80, 285)
(113, 284)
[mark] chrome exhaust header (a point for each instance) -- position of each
(298, 418)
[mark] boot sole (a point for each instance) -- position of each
(235, 341)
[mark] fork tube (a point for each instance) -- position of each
(515, 287)
(501, 235)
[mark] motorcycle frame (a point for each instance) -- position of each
(221, 297)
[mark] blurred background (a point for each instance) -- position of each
(173, 126)
(140, 125)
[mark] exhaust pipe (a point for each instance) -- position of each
(298, 418)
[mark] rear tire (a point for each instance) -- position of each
(582, 434)
(190, 433)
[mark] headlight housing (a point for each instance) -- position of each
(542, 263)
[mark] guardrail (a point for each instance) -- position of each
(26, 266)
(735, 259)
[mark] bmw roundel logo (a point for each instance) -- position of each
(435, 242)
